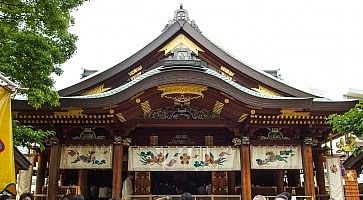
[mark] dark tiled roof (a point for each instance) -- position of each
(354, 162)
(21, 162)
(182, 26)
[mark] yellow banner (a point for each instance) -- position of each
(7, 172)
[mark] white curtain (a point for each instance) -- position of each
(276, 157)
(25, 177)
(184, 159)
(86, 157)
(335, 177)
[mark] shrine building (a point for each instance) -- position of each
(182, 114)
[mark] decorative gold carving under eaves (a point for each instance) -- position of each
(290, 112)
(181, 41)
(181, 140)
(136, 72)
(96, 90)
(120, 117)
(265, 91)
(74, 112)
(146, 108)
(182, 93)
(88, 134)
(218, 107)
(182, 112)
(227, 73)
(242, 117)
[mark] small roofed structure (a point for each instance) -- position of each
(354, 162)
(353, 94)
(21, 162)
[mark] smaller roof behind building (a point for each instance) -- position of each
(21, 162)
(354, 162)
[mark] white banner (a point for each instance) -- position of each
(25, 178)
(86, 157)
(276, 157)
(184, 159)
(334, 177)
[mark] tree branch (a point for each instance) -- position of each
(10, 4)
(8, 18)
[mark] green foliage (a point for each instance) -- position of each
(350, 122)
(26, 136)
(34, 41)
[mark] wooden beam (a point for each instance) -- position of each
(214, 123)
(308, 171)
(55, 151)
(275, 142)
(117, 168)
(246, 171)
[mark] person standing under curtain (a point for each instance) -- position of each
(127, 189)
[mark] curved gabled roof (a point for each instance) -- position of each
(172, 31)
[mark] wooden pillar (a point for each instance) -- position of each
(154, 140)
(320, 177)
(308, 168)
(117, 167)
(55, 151)
(279, 180)
(82, 181)
(208, 140)
(41, 170)
(231, 181)
(246, 169)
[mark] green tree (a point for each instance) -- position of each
(350, 122)
(34, 42)
(26, 136)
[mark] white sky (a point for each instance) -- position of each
(315, 44)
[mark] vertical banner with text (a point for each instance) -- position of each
(334, 177)
(7, 163)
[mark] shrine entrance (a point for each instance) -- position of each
(173, 183)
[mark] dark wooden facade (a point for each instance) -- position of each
(183, 84)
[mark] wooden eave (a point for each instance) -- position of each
(196, 77)
(184, 27)
(262, 111)
(181, 76)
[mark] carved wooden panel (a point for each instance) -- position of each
(219, 183)
(142, 183)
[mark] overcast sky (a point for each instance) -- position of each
(315, 44)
